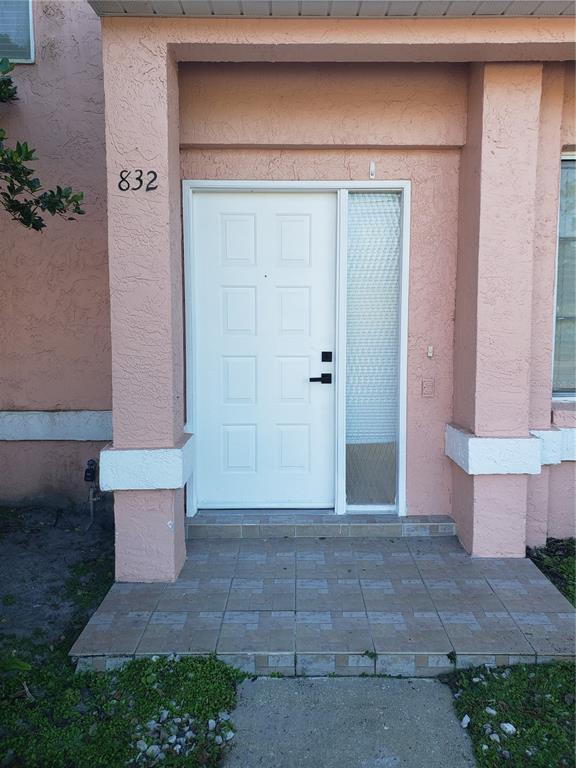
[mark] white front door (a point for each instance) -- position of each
(265, 271)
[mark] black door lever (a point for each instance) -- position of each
(324, 378)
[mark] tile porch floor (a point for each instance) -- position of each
(404, 606)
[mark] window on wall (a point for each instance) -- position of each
(16, 34)
(564, 382)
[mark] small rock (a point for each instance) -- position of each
(224, 716)
(465, 721)
(495, 737)
(164, 715)
(141, 745)
(153, 750)
(505, 754)
(218, 739)
(151, 725)
(230, 735)
(475, 679)
(490, 711)
(508, 729)
(487, 728)
(171, 739)
(189, 735)
(155, 658)
(485, 747)
(211, 725)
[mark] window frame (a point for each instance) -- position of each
(32, 58)
(558, 395)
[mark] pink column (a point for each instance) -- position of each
(544, 275)
(494, 295)
(145, 258)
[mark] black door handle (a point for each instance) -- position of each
(324, 378)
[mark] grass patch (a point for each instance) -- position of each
(557, 560)
(152, 712)
(51, 717)
(537, 700)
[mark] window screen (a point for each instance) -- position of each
(16, 41)
(565, 343)
(372, 347)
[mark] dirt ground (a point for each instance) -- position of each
(48, 559)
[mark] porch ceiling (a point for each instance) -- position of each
(342, 9)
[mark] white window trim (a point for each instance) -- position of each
(32, 58)
(558, 396)
(341, 188)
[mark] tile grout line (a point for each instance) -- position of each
(219, 633)
(428, 592)
(375, 659)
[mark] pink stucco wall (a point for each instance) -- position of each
(293, 121)
(317, 105)
(54, 309)
(232, 126)
(562, 500)
(50, 472)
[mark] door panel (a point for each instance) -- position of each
(265, 267)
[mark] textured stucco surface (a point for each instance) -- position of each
(508, 150)
(52, 471)
(490, 513)
(404, 40)
(144, 243)
(545, 234)
(569, 107)
(150, 536)
(562, 500)
(504, 133)
(434, 177)
(517, 120)
(54, 311)
(323, 104)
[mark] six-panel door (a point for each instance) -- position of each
(265, 266)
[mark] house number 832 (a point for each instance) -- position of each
(135, 180)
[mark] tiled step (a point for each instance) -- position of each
(272, 524)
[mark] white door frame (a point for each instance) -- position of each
(341, 189)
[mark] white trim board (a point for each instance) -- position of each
(509, 455)
(341, 188)
(146, 469)
(56, 425)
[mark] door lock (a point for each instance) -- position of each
(324, 378)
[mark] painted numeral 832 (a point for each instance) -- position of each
(135, 180)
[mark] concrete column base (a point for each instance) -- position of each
(490, 513)
(150, 536)
(537, 509)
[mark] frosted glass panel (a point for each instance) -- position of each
(372, 347)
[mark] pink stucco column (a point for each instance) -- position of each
(146, 291)
(493, 335)
(544, 275)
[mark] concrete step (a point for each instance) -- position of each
(270, 524)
